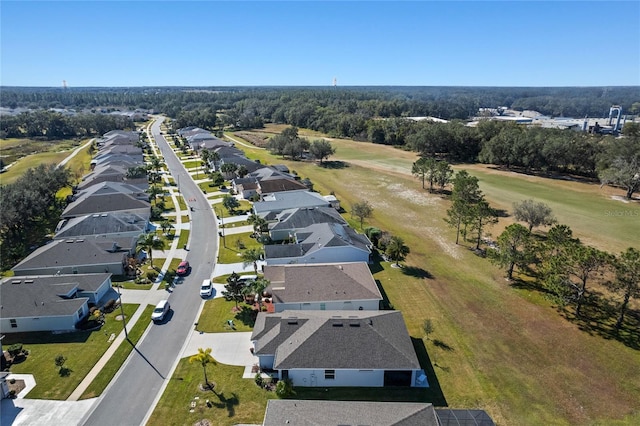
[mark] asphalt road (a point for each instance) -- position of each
(129, 397)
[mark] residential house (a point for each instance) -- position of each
(336, 286)
(314, 412)
(290, 221)
(274, 203)
(337, 348)
(125, 160)
(108, 197)
(111, 173)
(277, 184)
(118, 137)
(49, 303)
(79, 256)
(321, 243)
(104, 225)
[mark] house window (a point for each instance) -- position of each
(14, 324)
(329, 374)
(323, 306)
(80, 312)
(285, 374)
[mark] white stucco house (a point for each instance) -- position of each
(321, 243)
(49, 303)
(336, 286)
(338, 348)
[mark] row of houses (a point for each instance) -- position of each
(327, 328)
(54, 286)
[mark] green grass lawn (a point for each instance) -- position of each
(183, 237)
(232, 253)
(234, 400)
(29, 162)
(192, 163)
(82, 350)
(494, 346)
(217, 311)
(100, 382)
(131, 285)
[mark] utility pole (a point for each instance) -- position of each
(221, 233)
(124, 322)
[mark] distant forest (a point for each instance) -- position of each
(314, 107)
(374, 114)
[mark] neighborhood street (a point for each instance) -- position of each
(131, 395)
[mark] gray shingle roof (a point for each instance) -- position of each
(335, 413)
(279, 201)
(316, 237)
(273, 184)
(358, 340)
(321, 282)
(103, 223)
(40, 296)
(306, 216)
(107, 197)
(68, 253)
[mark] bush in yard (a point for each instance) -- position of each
(258, 380)
(109, 306)
(284, 388)
(152, 275)
(15, 349)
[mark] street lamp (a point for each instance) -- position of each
(124, 322)
(221, 233)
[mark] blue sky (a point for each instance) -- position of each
(300, 43)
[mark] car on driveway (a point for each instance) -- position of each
(160, 311)
(183, 268)
(206, 289)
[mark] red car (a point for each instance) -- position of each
(183, 268)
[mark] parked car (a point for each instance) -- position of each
(183, 268)
(160, 311)
(206, 289)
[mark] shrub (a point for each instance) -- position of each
(15, 349)
(152, 275)
(110, 305)
(284, 388)
(258, 379)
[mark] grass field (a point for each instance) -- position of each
(82, 350)
(496, 347)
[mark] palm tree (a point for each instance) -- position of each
(258, 223)
(203, 357)
(149, 242)
(250, 256)
(257, 287)
(396, 250)
(165, 224)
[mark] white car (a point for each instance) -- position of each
(160, 311)
(206, 289)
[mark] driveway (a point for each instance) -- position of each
(226, 348)
(28, 412)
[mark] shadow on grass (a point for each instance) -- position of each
(442, 345)
(227, 403)
(335, 164)
(246, 315)
(385, 304)
(435, 394)
(416, 272)
(44, 337)
(598, 317)
(65, 372)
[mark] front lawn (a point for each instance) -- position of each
(82, 350)
(217, 312)
(233, 246)
(100, 382)
(233, 401)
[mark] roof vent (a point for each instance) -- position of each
(292, 321)
(16, 282)
(337, 324)
(28, 281)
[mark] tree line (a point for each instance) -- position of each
(30, 210)
(54, 125)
